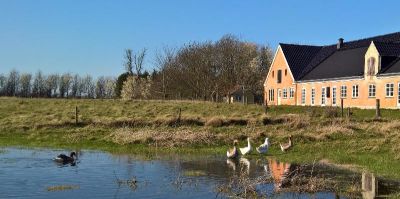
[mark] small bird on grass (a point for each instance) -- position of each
(287, 146)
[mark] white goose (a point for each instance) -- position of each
(263, 148)
(247, 149)
(233, 152)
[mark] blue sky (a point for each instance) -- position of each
(89, 37)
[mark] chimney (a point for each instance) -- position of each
(340, 43)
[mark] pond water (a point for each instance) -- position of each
(32, 173)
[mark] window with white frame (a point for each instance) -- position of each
(303, 96)
(343, 91)
(284, 93)
(312, 96)
(333, 95)
(355, 91)
(371, 90)
(291, 93)
(389, 90)
(271, 94)
(323, 96)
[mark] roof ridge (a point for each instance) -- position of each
(351, 41)
(371, 38)
(305, 45)
(381, 42)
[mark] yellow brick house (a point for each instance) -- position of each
(359, 72)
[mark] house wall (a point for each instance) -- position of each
(362, 101)
(279, 63)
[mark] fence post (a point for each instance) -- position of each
(341, 104)
(179, 115)
(76, 115)
(378, 109)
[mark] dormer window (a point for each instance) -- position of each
(371, 66)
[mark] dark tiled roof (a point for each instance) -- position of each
(388, 49)
(343, 63)
(393, 67)
(321, 62)
(387, 62)
(299, 56)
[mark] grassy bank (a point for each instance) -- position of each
(146, 126)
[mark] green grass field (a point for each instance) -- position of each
(360, 142)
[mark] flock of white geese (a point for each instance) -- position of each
(262, 149)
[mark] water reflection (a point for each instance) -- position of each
(368, 185)
(245, 165)
(232, 163)
(27, 173)
(279, 172)
(375, 187)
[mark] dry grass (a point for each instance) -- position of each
(215, 122)
(167, 138)
(242, 186)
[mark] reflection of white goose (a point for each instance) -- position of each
(246, 163)
(231, 164)
(233, 153)
(267, 171)
(263, 148)
(246, 150)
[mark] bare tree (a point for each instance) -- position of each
(100, 87)
(128, 63)
(138, 59)
(88, 86)
(163, 61)
(12, 83)
(38, 87)
(25, 85)
(65, 84)
(110, 87)
(76, 86)
(3, 81)
(52, 85)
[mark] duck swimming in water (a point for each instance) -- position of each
(62, 158)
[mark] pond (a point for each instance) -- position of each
(32, 173)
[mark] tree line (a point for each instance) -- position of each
(195, 71)
(211, 70)
(66, 85)
(206, 70)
